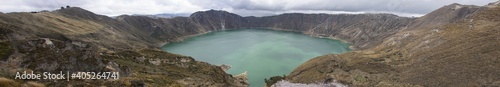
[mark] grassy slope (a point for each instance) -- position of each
(464, 53)
(26, 29)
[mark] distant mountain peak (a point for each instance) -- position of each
(79, 13)
(165, 15)
(75, 9)
(212, 12)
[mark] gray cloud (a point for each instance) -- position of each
(241, 7)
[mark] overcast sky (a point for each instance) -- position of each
(241, 7)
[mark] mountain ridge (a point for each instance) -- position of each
(451, 53)
(385, 45)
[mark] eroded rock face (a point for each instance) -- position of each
(158, 68)
(361, 30)
(225, 67)
(48, 55)
(242, 79)
(136, 67)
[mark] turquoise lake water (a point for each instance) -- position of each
(262, 53)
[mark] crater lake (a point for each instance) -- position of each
(263, 53)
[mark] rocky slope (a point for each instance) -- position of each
(77, 40)
(136, 68)
(100, 38)
(456, 45)
(361, 30)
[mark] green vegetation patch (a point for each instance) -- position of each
(5, 50)
(360, 78)
(172, 67)
(273, 80)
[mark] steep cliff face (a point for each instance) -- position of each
(456, 45)
(214, 20)
(361, 30)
